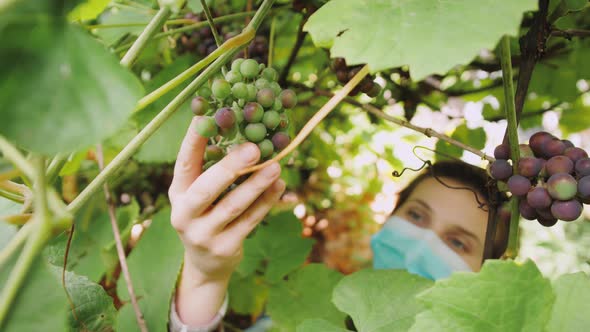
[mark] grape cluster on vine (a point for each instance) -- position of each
(345, 73)
(553, 178)
(246, 104)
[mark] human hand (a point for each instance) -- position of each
(213, 235)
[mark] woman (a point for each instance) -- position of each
(435, 230)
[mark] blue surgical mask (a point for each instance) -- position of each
(403, 245)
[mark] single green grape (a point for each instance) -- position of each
(276, 88)
(271, 119)
(204, 92)
(235, 66)
(265, 97)
(288, 98)
(262, 83)
(221, 89)
(270, 74)
(199, 105)
(266, 148)
(277, 105)
(233, 76)
(206, 126)
(213, 152)
(253, 112)
(249, 68)
(240, 90)
(255, 132)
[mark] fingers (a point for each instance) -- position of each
(206, 188)
(237, 231)
(189, 161)
(239, 199)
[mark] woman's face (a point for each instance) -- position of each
(453, 214)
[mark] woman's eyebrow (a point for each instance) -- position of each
(421, 202)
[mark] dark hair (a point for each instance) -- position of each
(472, 178)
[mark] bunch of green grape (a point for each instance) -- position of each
(245, 104)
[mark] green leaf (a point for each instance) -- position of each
(64, 90)
(391, 33)
(475, 138)
(572, 303)
(93, 306)
(88, 10)
(314, 325)
(8, 207)
(277, 246)
(380, 300)
(503, 296)
(6, 233)
(40, 304)
(91, 253)
(154, 265)
(124, 15)
(163, 146)
(306, 294)
(247, 295)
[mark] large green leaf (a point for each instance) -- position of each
(380, 300)
(475, 138)
(247, 295)
(277, 247)
(503, 296)
(572, 303)
(40, 304)
(154, 265)
(163, 146)
(305, 295)
(63, 89)
(431, 36)
(92, 249)
(314, 325)
(93, 306)
(88, 10)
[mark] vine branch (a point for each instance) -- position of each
(425, 131)
(511, 133)
(207, 11)
(155, 24)
(19, 161)
(570, 33)
(119, 244)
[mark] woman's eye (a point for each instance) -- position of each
(457, 244)
(414, 215)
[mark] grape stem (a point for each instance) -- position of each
(512, 134)
(155, 24)
(271, 41)
(56, 165)
(119, 244)
(314, 121)
(207, 11)
(164, 115)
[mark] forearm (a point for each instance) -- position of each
(198, 299)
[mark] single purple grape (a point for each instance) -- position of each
(566, 210)
(583, 167)
(575, 154)
(529, 166)
(225, 118)
(539, 198)
(562, 186)
(538, 140)
(527, 211)
(554, 147)
(280, 140)
(502, 151)
(584, 188)
(519, 185)
(559, 164)
(500, 169)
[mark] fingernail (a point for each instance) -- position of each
(280, 185)
(249, 152)
(273, 169)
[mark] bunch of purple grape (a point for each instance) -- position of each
(553, 178)
(203, 42)
(345, 73)
(246, 104)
